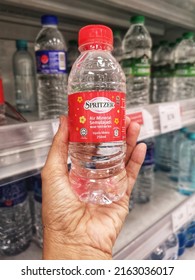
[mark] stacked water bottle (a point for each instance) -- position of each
(175, 154)
(20, 215)
(173, 69)
(176, 244)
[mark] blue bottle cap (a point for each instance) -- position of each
(49, 20)
(184, 129)
(191, 136)
(21, 44)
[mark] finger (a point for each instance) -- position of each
(132, 135)
(128, 120)
(134, 164)
(58, 154)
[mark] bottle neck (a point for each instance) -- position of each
(95, 47)
(49, 26)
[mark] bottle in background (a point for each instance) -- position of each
(38, 208)
(163, 151)
(136, 48)
(96, 95)
(186, 182)
(73, 53)
(181, 234)
(178, 138)
(2, 104)
(15, 218)
(50, 49)
(24, 75)
(183, 81)
(172, 246)
(145, 182)
(158, 253)
(190, 234)
(117, 50)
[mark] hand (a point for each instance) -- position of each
(73, 229)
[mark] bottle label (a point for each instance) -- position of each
(13, 194)
(97, 116)
(185, 70)
(37, 188)
(164, 71)
(51, 62)
(136, 66)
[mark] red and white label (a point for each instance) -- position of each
(97, 116)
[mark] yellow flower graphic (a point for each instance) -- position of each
(118, 111)
(79, 99)
(82, 119)
(116, 120)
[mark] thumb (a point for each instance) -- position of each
(58, 155)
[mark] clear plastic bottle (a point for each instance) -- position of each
(96, 94)
(145, 182)
(172, 246)
(24, 74)
(178, 138)
(73, 53)
(2, 104)
(15, 218)
(158, 253)
(162, 73)
(136, 48)
(117, 51)
(181, 235)
(184, 73)
(50, 51)
(38, 210)
(163, 151)
(187, 165)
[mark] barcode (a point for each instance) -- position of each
(62, 61)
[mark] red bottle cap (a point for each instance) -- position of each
(95, 34)
(2, 101)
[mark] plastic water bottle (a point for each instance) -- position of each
(181, 235)
(183, 82)
(96, 95)
(190, 234)
(73, 53)
(50, 51)
(117, 51)
(186, 183)
(15, 218)
(158, 253)
(145, 181)
(24, 74)
(2, 105)
(136, 47)
(178, 138)
(163, 151)
(38, 209)
(172, 246)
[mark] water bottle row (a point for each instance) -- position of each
(173, 69)
(20, 215)
(175, 154)
(176, 244)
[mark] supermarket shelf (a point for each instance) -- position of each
(24, 147)
(146, 225)
(150, 119)
(73, 14)
(150, 224)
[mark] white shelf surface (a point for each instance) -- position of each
(153, 221)
(24, 147)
